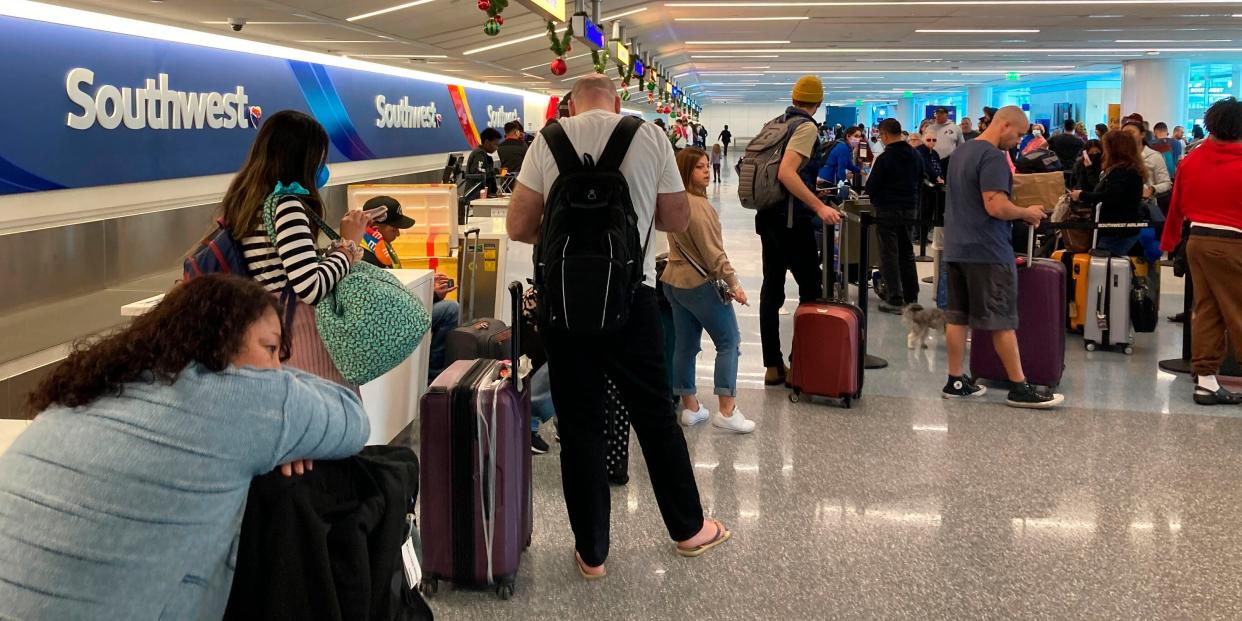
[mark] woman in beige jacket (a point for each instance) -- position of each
(697, 269)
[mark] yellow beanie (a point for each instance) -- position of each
(808, 89)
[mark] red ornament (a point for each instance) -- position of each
(500, 20)
(485, 5)
(559, 67)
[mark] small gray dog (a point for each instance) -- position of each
(921, 321)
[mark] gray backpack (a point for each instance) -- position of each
(758, 186)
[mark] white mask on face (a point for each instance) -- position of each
(1038, 132)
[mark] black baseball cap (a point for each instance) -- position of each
(941, 109)
(393, 216)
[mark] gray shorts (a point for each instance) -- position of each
(983, 296)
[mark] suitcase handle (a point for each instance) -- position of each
(515, 339)
(474, 269)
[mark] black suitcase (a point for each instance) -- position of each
(476, 338)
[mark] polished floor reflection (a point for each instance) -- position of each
(1122, 505)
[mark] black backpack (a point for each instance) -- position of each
(1038, 161)
(589, 260)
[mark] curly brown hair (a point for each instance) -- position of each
(203, 320)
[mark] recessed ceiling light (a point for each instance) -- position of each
(488, 48)
(1104, 16)
(608, 18)
(734, 56)
(399, 56)
(980, 50)
(888, 3)
(387, 10)
(760, 67)
(215, 23)
(741, 19)
(330, 41)
(1173, 41)
(973, 30)
(736, 42)
(681, 75)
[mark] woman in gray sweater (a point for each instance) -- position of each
(124, 497)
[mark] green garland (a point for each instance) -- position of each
(560, 46)
(599, 58)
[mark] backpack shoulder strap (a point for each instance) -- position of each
(619, 143)
(563, 151)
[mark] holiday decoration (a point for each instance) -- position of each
(493, 8)
(651, 86)
(560, 46)
(599, 58)
(625, 95)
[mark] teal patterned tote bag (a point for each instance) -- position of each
(370, 322)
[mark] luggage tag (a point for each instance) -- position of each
(409, 555)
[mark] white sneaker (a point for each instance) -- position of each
(736, 423)
(691, 418)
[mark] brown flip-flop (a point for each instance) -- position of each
(722, 535)
(582, 569)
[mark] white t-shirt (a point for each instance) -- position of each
(649, 167)
(948, 138)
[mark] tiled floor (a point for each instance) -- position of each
(1123, 505)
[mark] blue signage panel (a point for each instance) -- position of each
(99, 108)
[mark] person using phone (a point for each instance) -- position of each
(387, 223)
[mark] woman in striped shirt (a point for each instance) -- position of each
(292, 147)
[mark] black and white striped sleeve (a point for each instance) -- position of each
(312, 278)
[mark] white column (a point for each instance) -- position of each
(976, 98)
(905, 114)
(1156, 89)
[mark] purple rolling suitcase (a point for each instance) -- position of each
(475, 502)
(1041, 325)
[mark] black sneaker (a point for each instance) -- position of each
(962, 388)
(537, 444)
(892, 309)
(1025, 395)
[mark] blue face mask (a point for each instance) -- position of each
(321, 178)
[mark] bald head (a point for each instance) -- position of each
(594, 92)
(1008, 126)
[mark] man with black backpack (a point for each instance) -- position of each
(593, 189)
(777, 179)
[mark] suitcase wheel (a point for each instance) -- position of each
(429, 587)
(794, 396)
(1129, 350)
(1090, 346)
(504, 591)
(846, 402)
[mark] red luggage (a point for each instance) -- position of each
(475, 503)
(1042, 314)
(828, 342)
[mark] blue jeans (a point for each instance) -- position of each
(541, 408)
(695, 310)
(1119, 246)
(445, 315)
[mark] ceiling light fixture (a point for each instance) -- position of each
(488, 48)
(609, 18)
(387, 10)
(761, 67)
(973, 30)
(330, 41)
(1173, 41)
(790, 18)
(888, 3)
(736, 42)
(734, 56)
(984, 50)
(249, 23)
(399, 56)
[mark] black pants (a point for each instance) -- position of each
(784, 250)
(901, 279)
(726, 149)
(633, 360)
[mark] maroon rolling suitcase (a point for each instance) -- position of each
(475, 502)
(828, 342)
(1042, 314)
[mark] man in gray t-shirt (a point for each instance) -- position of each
(948, 134)
(982, 276)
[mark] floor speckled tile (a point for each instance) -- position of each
(1122, 505)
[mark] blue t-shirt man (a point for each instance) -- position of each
(982, 276)
(971, 234)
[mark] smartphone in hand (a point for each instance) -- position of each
(376, 214)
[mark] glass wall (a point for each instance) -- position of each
(1209, 84)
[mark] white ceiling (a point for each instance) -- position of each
(878, 53)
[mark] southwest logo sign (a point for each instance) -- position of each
(154, 105)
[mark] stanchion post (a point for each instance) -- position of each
(864, 283)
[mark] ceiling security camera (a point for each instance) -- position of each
(237, 23)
